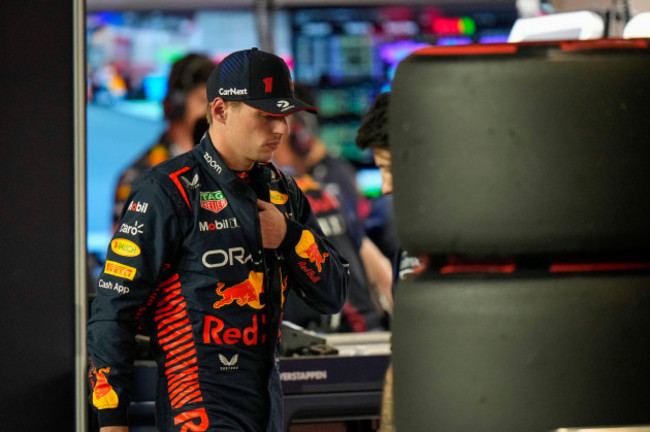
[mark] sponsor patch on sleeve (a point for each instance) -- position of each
(119, 270)
(125, 247)
(278, 198)
(308, 248)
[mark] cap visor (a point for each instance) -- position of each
(280, 106)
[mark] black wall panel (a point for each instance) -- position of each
(36, 224)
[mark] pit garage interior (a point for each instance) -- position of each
(520, 172)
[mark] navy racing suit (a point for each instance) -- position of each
(186, 264)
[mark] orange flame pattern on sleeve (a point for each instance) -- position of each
(104, 397)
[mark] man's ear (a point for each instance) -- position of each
(218, 109)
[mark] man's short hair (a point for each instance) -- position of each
(373, 132)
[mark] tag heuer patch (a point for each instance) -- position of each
(213, 201)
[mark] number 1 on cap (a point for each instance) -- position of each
(268, 84)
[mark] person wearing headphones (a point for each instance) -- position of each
(337, 177)
(184, 108)
(362, 311)
(373, 135)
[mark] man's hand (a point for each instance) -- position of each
(114, 429)
(274, 225)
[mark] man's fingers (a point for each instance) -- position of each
(263, 204)
(273, 224)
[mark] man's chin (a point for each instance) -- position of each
(265, 156)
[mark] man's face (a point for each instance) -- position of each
(383, 161)
(253, 136)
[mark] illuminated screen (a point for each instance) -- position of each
(348, 55)
(345, 46)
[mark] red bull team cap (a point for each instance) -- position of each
(257, 78)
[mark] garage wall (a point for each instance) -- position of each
(37, 210)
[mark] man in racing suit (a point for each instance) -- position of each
(203, 256)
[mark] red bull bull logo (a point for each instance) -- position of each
(308, 248)
(104, 397)
(244, 293)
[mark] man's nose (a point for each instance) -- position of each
(280, 125)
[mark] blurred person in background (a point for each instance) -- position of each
(184, 108)
(373, 135)
(362, 311)
(337, 176)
